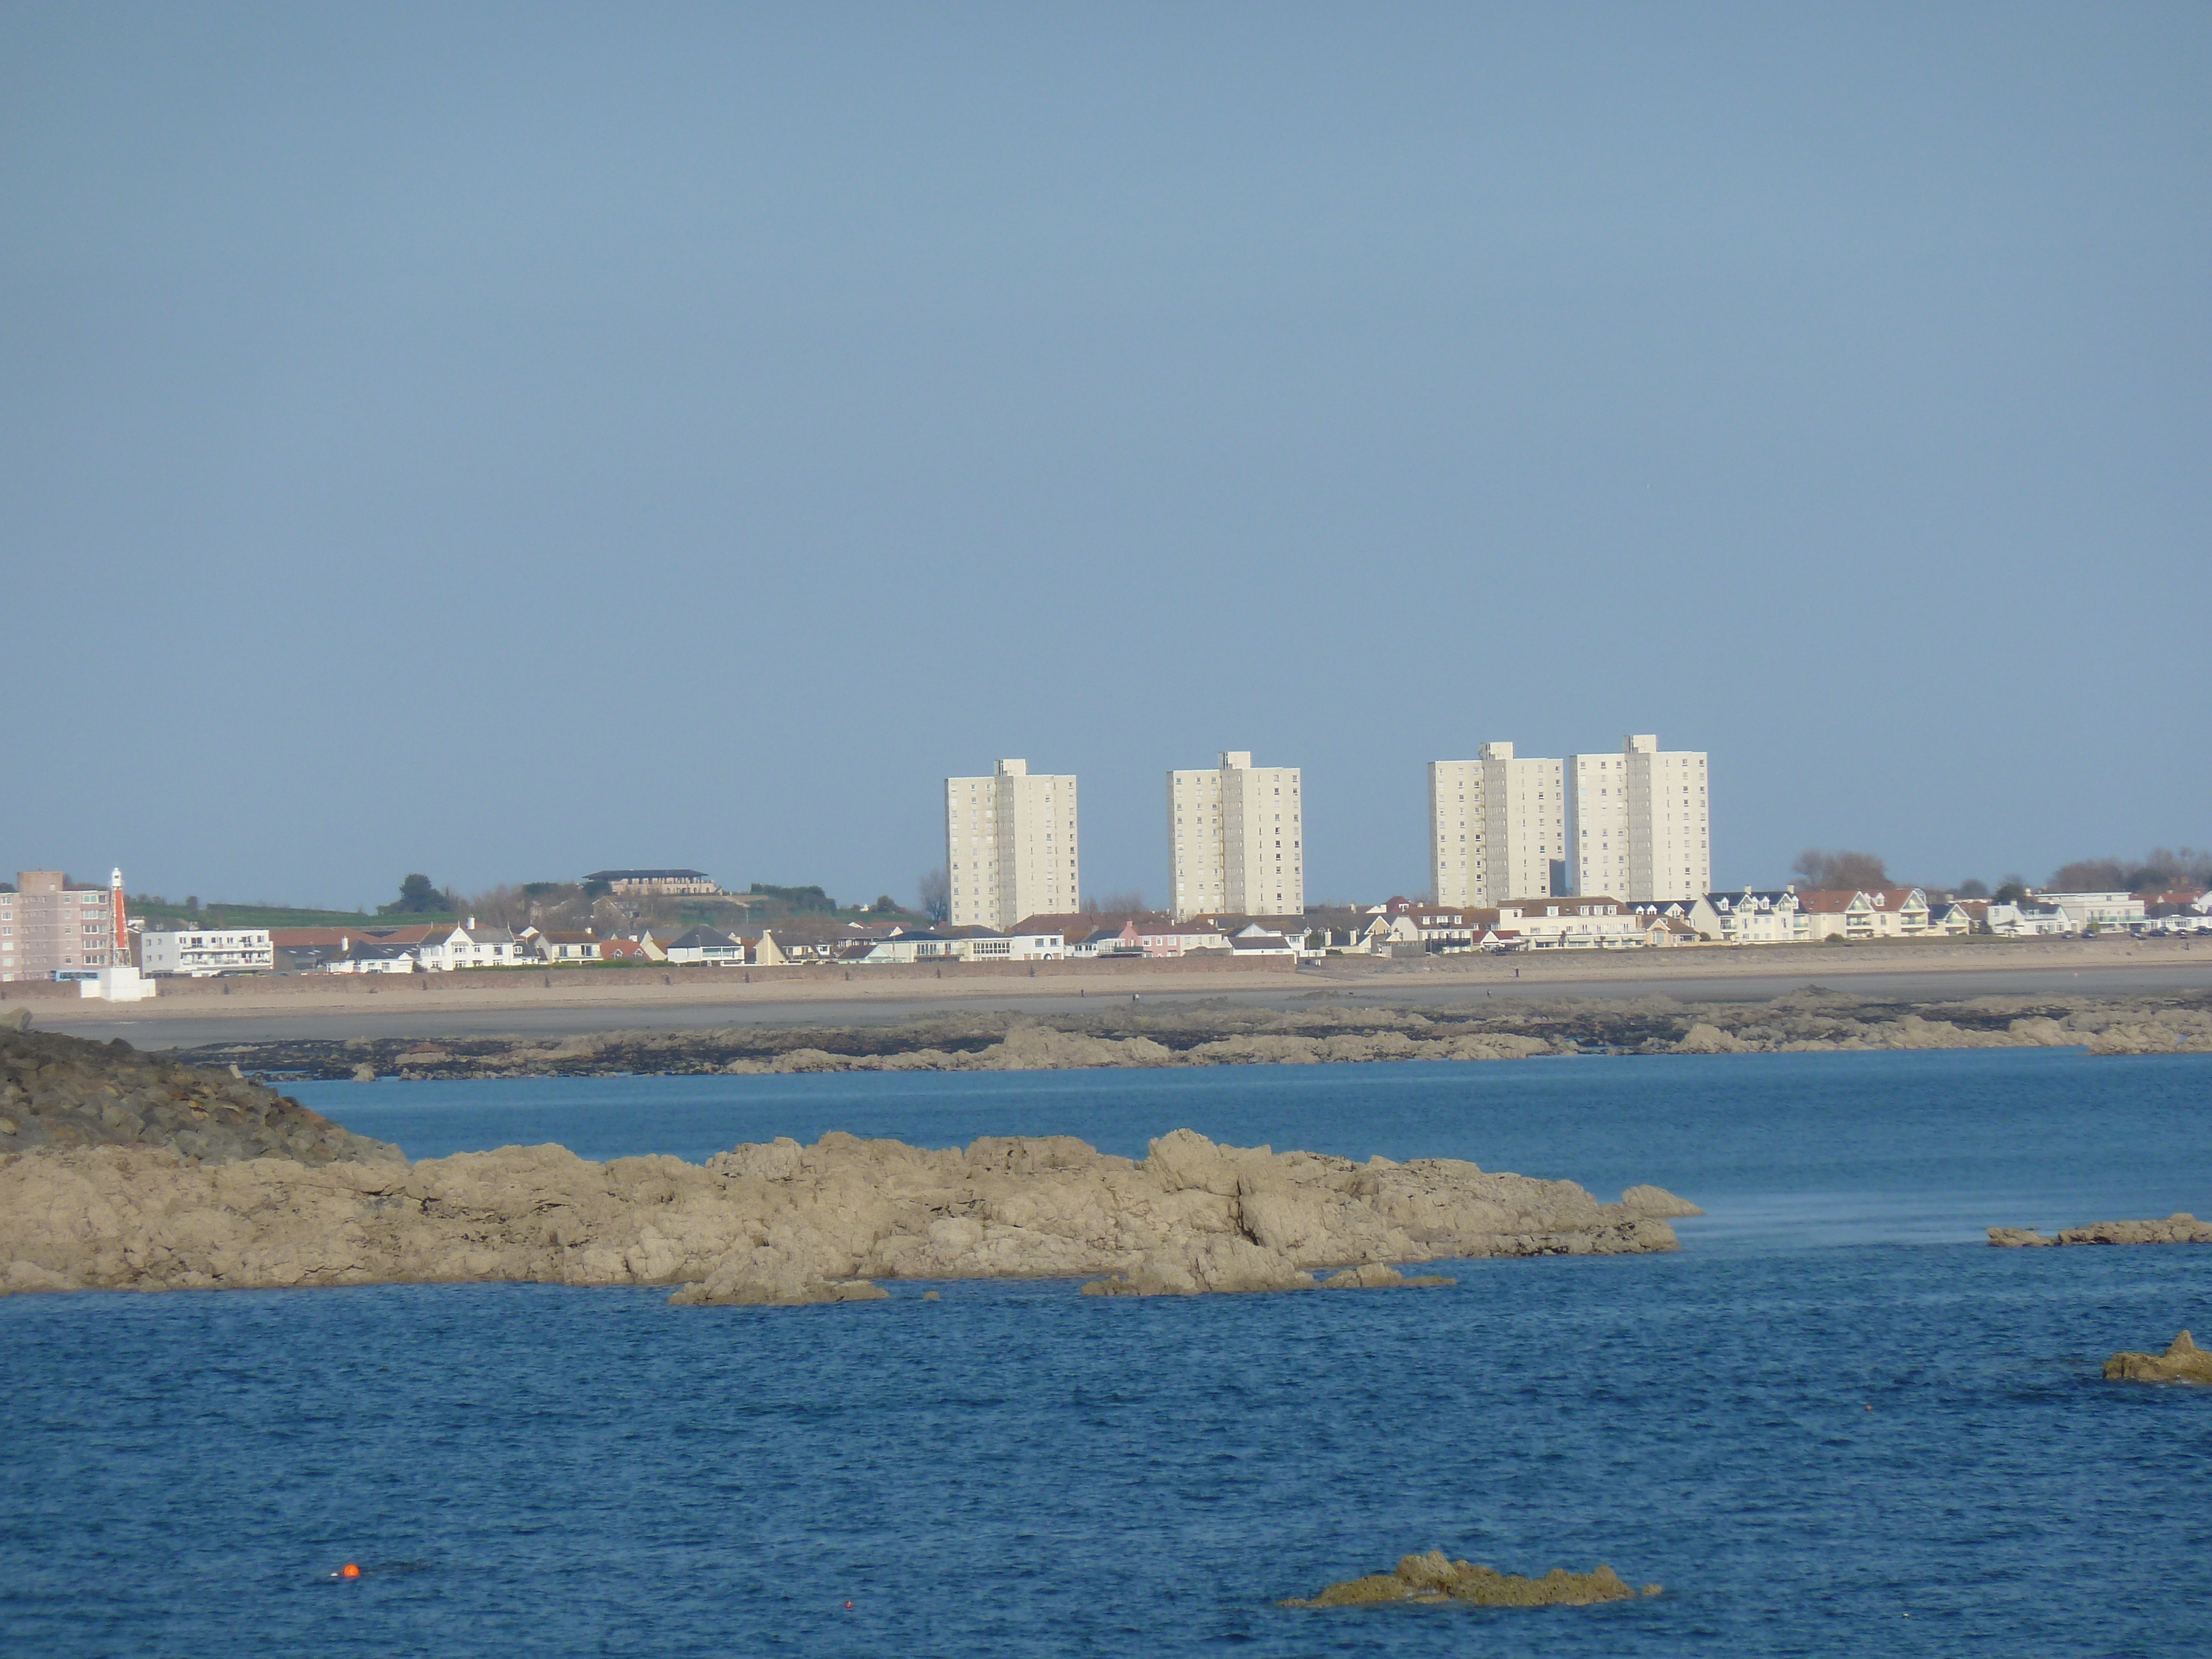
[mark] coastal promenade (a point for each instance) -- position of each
(557, 1002)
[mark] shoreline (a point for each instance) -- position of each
(1218, 1031)
(562, 1001)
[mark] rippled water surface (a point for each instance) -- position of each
(1833, 1424)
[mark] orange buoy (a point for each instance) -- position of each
(349, 1570)
(849, 1607)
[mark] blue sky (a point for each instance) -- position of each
(507, 442)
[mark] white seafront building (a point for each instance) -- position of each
(1497, 827)
(1237, 840)
(1011, 847)
(1639, 822)
(206, 952)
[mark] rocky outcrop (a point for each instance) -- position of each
(1434, 1580)
(2179, 1228)
(1327, 1028)
(779, 1223)
(63, 1091)
(2182, 1362)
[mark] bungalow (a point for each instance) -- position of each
(1257, 941)
(2027, 919)
(704, 945)
(1110, 941)
(920, 945)
(1663, 931)
(624, 950)
(366, 957)
(982, 944)
(563, 949)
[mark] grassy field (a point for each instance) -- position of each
(276, 915)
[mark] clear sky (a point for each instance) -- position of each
(505, 441)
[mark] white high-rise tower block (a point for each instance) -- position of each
(1639, 822)
(1237, 840)
(1497, 827)
(1010, 846)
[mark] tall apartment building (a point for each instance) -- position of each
(49, 926)
(1010, 846)
(1497, 827)
(1237, 840)
(1638, 822)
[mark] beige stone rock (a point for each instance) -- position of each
(2182, 1362)
(1703, 1039)
(1435, 1580)
(2179, 1228)
(781, 1223)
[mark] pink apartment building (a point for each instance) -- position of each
(49, 925)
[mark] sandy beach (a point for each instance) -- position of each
(322, 1007)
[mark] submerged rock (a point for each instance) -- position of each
(2183, 1362)
(1436, 1580)
(2179, 1228)
(781, 1223)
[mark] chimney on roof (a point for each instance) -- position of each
(472, 923)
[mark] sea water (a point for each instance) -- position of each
(1834, 1423)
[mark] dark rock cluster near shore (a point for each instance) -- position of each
(1326, 1027)
(59, 1092)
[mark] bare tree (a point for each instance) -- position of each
(1824, 871)
(934, 889)
(2090, 876)
(2158, 869)
(1129, 902)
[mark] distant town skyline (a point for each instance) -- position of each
(506, 442)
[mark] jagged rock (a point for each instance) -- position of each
(779, 1221)
(1435, 1580)
(1703, 1039)
(2179, 1228)
(2183, 1362)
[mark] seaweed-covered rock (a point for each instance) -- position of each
(2182, 1362)
(59, 1091)
(1438, 1581)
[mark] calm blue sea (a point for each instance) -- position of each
(1834, 1424)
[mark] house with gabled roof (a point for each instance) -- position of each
(449, 950)
(1875, 913)
(1754, 916)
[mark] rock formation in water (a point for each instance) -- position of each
(2183, 1362)
(1436, 1580)
(1326, 1027)
(782, 1223)
(62, 1091)
(2179, 1228)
